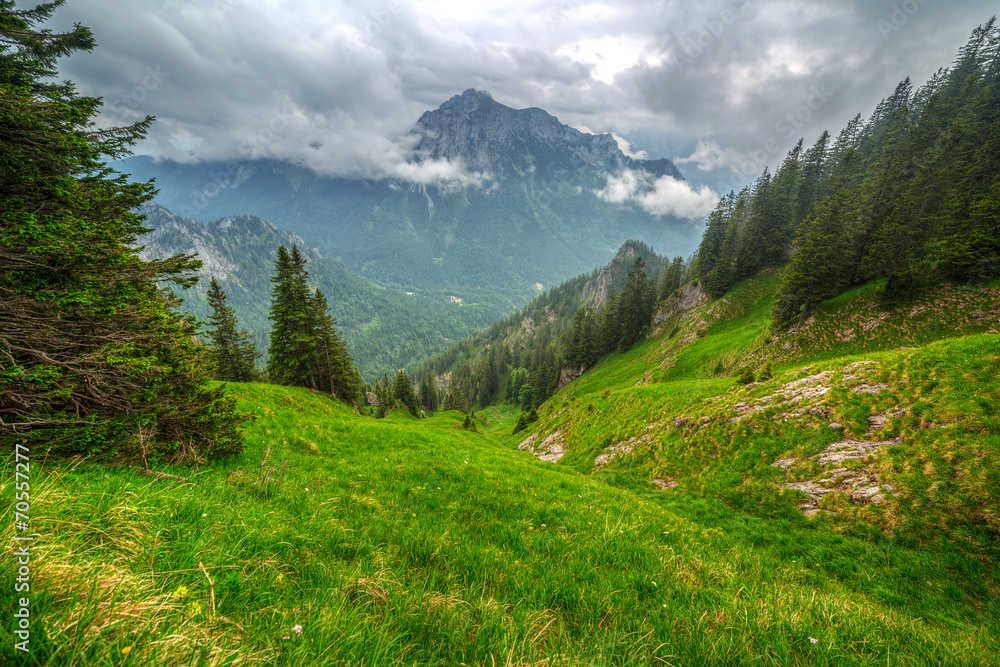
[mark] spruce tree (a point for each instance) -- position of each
(428, 392)
(292, 352)
(91, 348)
(233, 351)
(403, 392)
(671, 281)
(636, 305)
(609, 330)
(821, 264)
(334, 367)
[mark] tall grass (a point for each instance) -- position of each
(417, 542)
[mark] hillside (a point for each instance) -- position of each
(385, 329)
(533, 334)
(878, 420)
(402, 541)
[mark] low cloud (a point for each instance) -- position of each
(626, 148)
(336, 85)
(444, 174)
(661, 197)
(709, 156)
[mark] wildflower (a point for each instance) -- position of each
(307, 488)
(297, 629)
(194, 609)
(181, 592)
(126, 651)
(203, 516)
(813, 641)
(280, 578)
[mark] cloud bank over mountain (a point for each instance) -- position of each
(337, 86)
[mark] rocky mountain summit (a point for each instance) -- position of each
(490, 137)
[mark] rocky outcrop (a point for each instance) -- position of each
(684, 300)
(567, 375)
(549, 449)
(860, 484)
(805, 391)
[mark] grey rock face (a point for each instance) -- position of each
(491, 137)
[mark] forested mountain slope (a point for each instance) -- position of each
(529, 347)
(385, 328)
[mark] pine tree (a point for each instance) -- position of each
(453, 400)
(715, 233)
(403, 392)
(292, 352)
(609, 331)
(91, 349)
(334, 367)
(811, 179)
(526, 397)
(672, 278)
(384, 395)
(754, 247)
(636, 305)
(573, 348)
(233, 351)
(821, 264)
(428, 392)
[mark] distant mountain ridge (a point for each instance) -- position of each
(536, 218)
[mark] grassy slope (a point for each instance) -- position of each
(402, 542)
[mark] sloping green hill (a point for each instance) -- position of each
(879, 420)
(418, 542)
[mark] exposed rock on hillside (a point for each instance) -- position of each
(861, 485)
(681, 302)
(550, 449)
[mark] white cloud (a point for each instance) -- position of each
(626, 148)
(709, 156)
(356, 74)
(677, 198)
(661, 197)
(619, 189)
(442, 173)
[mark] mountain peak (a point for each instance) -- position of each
(493, 138)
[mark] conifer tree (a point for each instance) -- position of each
(334, 367)
(672, 278)
(384, 396)
(810, 186)
(821, 264)
(714, 235)
(636, 305)
(453, 400)
(90, 347)
(403, 392)
(292, 352)
(609, 332)
(754, 245)
(233, 351)
(428, 392)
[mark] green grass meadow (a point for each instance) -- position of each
(416, 542)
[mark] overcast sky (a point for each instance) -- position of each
(722, 87)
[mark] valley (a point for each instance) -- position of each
(406, 541)
(488, 387)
